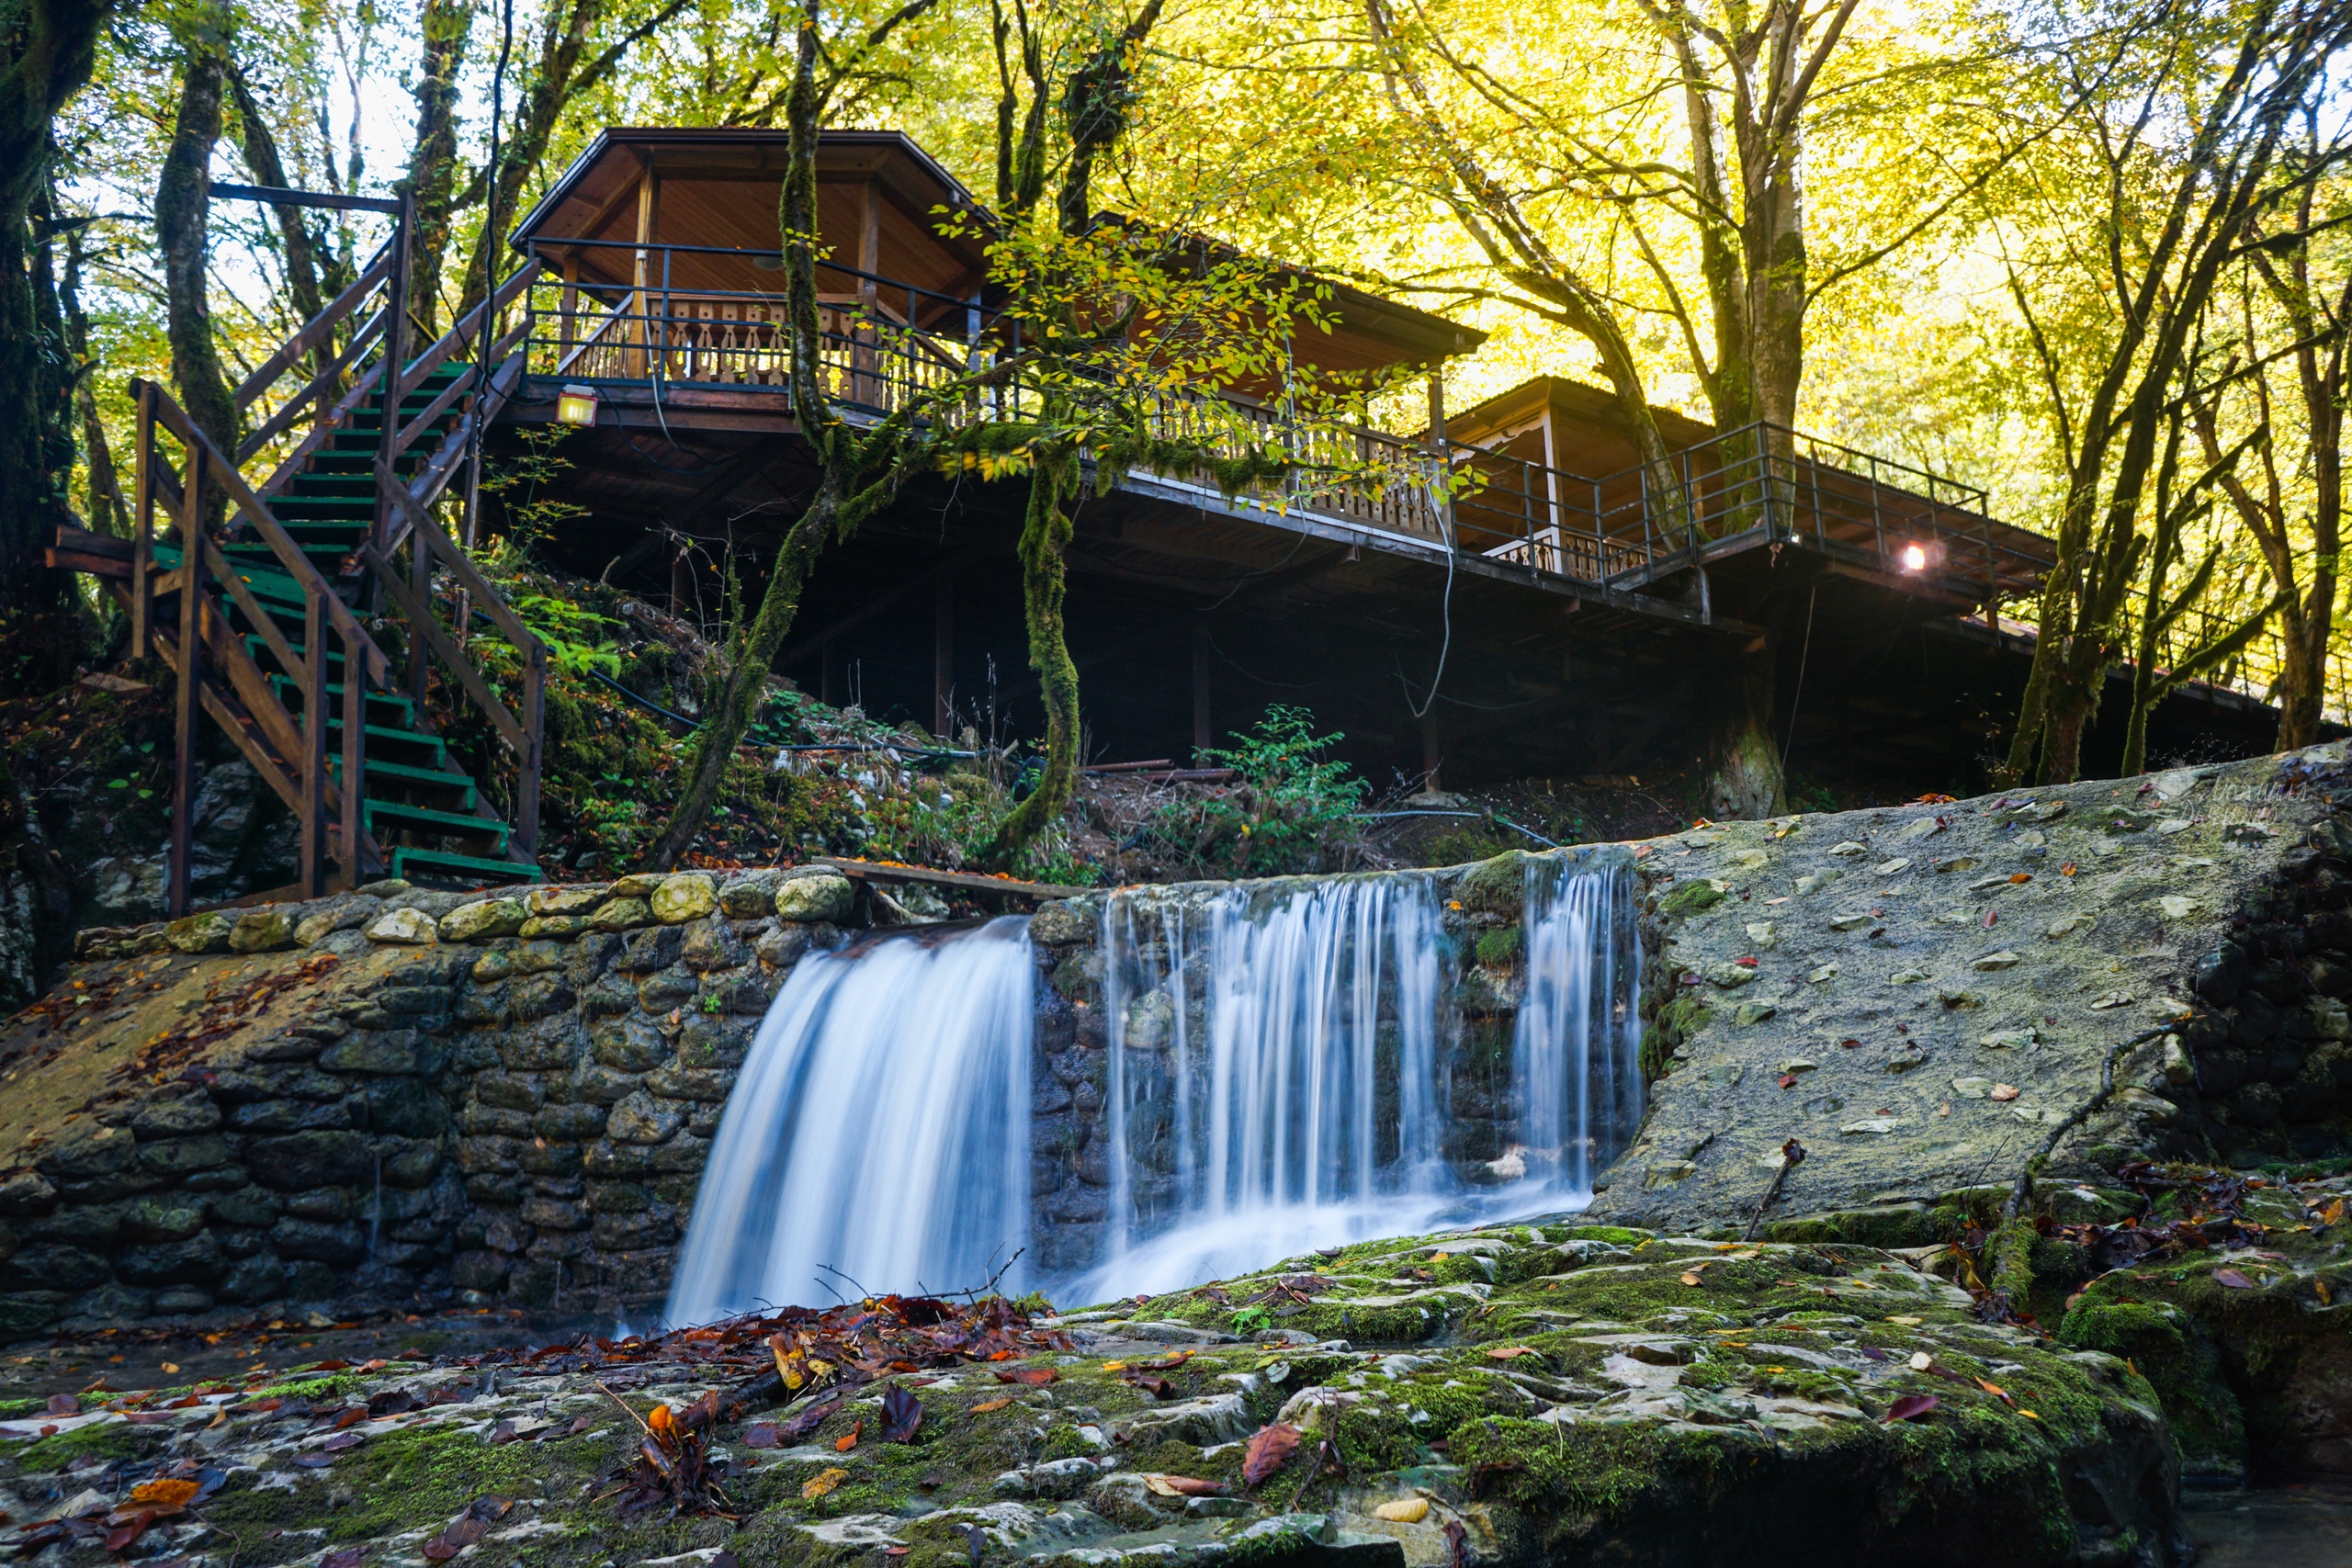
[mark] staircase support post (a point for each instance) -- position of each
(525, 836)
(314, 743)
(186, 686)
(142, 528)
(354, 834)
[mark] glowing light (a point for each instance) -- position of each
(576, 405)
(1913, 559)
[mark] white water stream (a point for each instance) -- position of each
(878, 1137)
(1284, 1073)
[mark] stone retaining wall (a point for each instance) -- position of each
(391, 1095)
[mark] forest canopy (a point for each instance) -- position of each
(2094, 257)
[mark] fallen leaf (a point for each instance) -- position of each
(902, 1415)
(1992, 919)
(2002, 1092)
(2233, 1279)
(168, 1493)
(2021, 878)
(808, 1421)
(1910, 1408)
(1692, 1277)
(64, 1404)
(848, 1439)
(1404, 1511)
(171, 1366)
(1036, 1377)
(1788, 1080)
(2067, 870)
(2319, 1289)
(761, 1435)
(1114, 1366)
(819, 1484)
(1507, 1353)
(661, 1420)
(342, 1441)
(2334, 1213)
(348, 1557)
(985, 1405)
(1997, 1392)
(1182, 1486)
(1269, 1448)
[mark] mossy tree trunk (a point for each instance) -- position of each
(1744, 755)
(182, 207)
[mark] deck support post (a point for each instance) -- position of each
(187, 682)
(943, 657)
(1203, 731)
(1433, 750)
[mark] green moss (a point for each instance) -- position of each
(1499, 949)
(2181, 1364)
(103, 1441)
(1066, 1441)
(1617, 1236)
(1691, 897)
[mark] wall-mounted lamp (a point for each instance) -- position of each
(1914, 558)
(576, 405)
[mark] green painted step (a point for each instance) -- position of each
(407, 706)
(397, 735)
(258, 645)
(407, 774)
(405, 861)
(424, 817)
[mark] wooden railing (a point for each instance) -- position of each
(432, 550)
(214, 672)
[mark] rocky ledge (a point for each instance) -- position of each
(1526, 1393)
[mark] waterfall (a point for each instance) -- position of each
(877, 1134)
(1285, 1073)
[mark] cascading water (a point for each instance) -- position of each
(878, 1132)
(1284, 1068)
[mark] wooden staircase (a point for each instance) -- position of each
(253, 596)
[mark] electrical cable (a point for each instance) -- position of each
(1798, 695)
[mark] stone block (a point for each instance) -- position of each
(495, 1187)
(708, 1040)
(482, 920)
(655, 1225)
(26, 1192)
(553, 1213)
(566, 898)
(201, 933)
(511, 1091)
(552, 1161)
(620, 915)
(1061, 922)
(781, 946)
(413, 1166)
(382, 1052)
(666, 991)
(537, 996)
(175, 1118)
(195, 1261)
(687, 896)
(673, 1081)
(155, 1218)
(709, 945)
(639, 1118)
(629, 1044)
(311, 1159)
(405, 1107)
(477, 1120)
(262, 930)
(608, 996)
(289, 1116)
(318, 1241)
(749, 895)
(648, 951)
(554, 926)
(575, 1123)
(550, 1045)
(404, 928)
(810, 896)
(54, 1266)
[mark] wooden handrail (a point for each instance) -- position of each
(282, 420)
(447, 343)
(458, 389)
(294, 347)
(487, 599)
(420, 616)
(372, 664)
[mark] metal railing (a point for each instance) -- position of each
(884, 345)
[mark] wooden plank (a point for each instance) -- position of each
(96, 566)
(868, 871)
(461, 565)
(313, 767)
(448, 342)
(291, 409)
(281, 196)
(307, 336)
(217, 566)
(184, 699)
(509, 729)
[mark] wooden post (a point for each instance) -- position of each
(1433, 750)
(142, 530)
(314, 744)
(394, 370)
(869, 262)
(526, 838)
(568, 308)
(1438, 449)
(420, 583)
(184, 687)
(353, 832)
(942, 656)
(1203, 730)
(648, 217)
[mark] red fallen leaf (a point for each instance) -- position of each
(761, 1435)
(1159, 1388)
(392, 1402)
(329, 1367)
(342, 1441)
(1744, 962)
(64, 1404)
(188, 1402)
(315, 1462)
(1508, 1352)
(349, 1419)
(348, 1558)
(902, 1415)
(1992, 919)
(502, 1433)
(146, 1417)
(2233, 1279)
(1034, 1376)
(848, 1441)
(1852, 1045)
(1910, 1408)
(808, 1421)
(579, 1425)
(1788, 1080)
(120, 1536)
(1170, 1365)
(1269, 1448)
